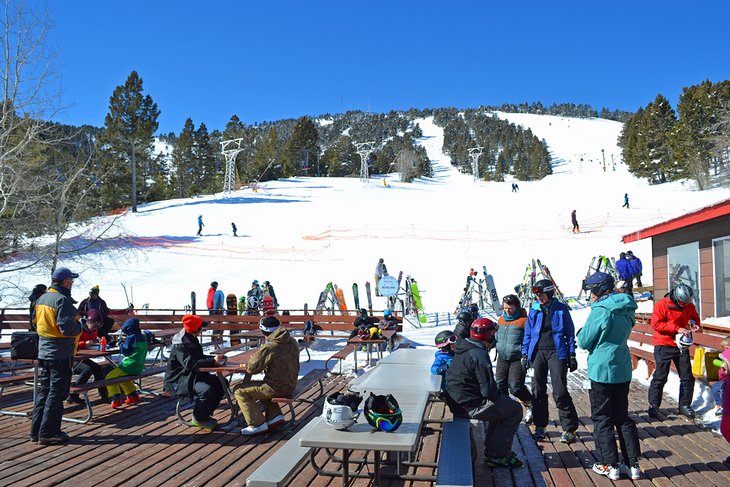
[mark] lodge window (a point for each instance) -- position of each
(721, 257)
(683, 266)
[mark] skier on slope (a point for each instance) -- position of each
(626, 201)
(200, 225)
(574, 221)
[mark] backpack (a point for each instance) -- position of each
(150, 337)
(24, 345)
(309, 329)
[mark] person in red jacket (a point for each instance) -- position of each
(87, 367)
(674, 317)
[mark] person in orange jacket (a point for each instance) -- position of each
(674, 319)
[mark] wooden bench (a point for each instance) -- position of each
(85, 388)
(303, 384)
(455, 467)
(643, 333)
(278, 469)
(12, 380)
(340, 355)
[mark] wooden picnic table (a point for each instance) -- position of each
(368, 344)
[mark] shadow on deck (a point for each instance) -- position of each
(145, 445)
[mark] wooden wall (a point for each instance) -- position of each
(704, 233)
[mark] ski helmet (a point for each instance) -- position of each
(683, 341)
(387, 313)
(544, 286)
(474, 308)
(340, 410)
(629, 253)
(683, 294)
(599, 283)
(483, 330)
(465, 317)
(383, 412)
(445, 339)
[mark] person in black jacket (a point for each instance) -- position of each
(182, 379)
(463, 324)
(470, 384)
(38, 291)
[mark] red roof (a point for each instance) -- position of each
(716, 210)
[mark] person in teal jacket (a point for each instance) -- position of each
(604, 335)
(134, 351)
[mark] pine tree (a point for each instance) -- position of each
(183, 159)
(301, 149)
(211, 167)
(126, 140)
(265, 165)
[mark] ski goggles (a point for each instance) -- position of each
(449, 341)
(546, 289)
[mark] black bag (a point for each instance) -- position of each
(24, 345)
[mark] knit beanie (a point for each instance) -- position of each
(192, 323)
(269, 324)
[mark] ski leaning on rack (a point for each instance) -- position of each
(546, 272)
(356, 296)
(370, 297)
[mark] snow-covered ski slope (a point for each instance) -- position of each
(304, 232)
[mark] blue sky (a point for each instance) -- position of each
(281, 59)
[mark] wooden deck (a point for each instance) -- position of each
(145, 445)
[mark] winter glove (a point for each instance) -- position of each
(525, 363)
(572, 363)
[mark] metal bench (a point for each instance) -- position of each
(85, 388)
(279, 468)
(455, 467)
(11, 380)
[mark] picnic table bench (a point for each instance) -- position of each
(456, 455)
(83, 389)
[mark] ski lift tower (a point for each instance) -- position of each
(230, 149)
(474, 153)
(363, 150)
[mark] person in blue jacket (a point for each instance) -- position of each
(624, 270)
(605, 336)
(635, 267)
(445, 353)
(549, 345)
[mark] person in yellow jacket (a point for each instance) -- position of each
(58, 327)
(278, 359)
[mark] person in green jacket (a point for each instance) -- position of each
(134, 350)
(604, 335)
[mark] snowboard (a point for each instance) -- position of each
(232, 310)
(341, 300)
(192, 302)
(493, 296)
(356, 296)
(267, 305)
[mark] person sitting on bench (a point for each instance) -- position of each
(134, 352)
(182, 379)
(278, 359)
(470, 384)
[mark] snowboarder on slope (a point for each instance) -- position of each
(200, 225)
(574, 220)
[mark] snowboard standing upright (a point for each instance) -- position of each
(232, 310)
(192, 302)
(417, 301)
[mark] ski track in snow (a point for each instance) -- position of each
(301, 233)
